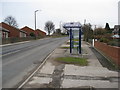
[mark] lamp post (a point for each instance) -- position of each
(35, 17)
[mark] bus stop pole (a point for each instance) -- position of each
(79, 40)
(70, 40)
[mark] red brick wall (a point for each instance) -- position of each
(112, 51)
(14, 32)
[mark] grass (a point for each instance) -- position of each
(73, 60)
(67, 47)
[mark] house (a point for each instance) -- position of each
(23, 33)
(10, 31)
(4, 32)
(28, 30)
(40, 33)
(116, 31)
(13, 32)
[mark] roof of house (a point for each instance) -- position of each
(27, 29)
(23, 31)
(3, 29)
(3, 26)
(40, 31)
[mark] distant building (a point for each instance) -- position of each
(28, 30)
(37, 32)
(40, 33)
(10, 31)
(23, 33)
(63, 30)
(116, 31)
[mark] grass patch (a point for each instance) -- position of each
(73, 60)
(75, 43)
(67, 47)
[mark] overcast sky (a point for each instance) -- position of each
(96, 12)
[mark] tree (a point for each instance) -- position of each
(107, 27)
(58, 31)
(99, 31)
(49, 27)
(11, 21)
(87, 31)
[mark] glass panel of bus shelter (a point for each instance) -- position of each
(75, 40)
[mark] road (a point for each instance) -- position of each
(19, 60)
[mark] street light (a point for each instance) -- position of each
(35, 17)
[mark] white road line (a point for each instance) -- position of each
(10, 53)
(25, 55)
(14, 43)
(20, 42)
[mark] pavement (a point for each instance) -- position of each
(60, 75)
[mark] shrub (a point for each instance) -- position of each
(105, 40)
(32, 34)
(114, 42)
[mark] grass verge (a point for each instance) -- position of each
(67, 47)
(73, 60)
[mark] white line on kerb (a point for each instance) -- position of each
(35, 71)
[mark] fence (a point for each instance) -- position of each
(111, 51)
(14, 40)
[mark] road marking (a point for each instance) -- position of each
(35, 71)
(11, 53)
(27, 54)
(14, 43)
(20, 42)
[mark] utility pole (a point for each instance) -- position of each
(35, 17)
(84, 21)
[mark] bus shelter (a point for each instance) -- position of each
(74, 29)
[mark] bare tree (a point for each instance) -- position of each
(11, 21)
(49, 27)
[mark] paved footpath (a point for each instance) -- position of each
(58, 75)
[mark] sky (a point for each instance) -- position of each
(119, 13)
(96, 12)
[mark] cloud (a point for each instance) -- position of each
(94, 11)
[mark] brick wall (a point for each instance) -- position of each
(111, 51)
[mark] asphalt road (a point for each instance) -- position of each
(19, 60)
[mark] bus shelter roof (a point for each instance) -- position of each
(72, 25)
